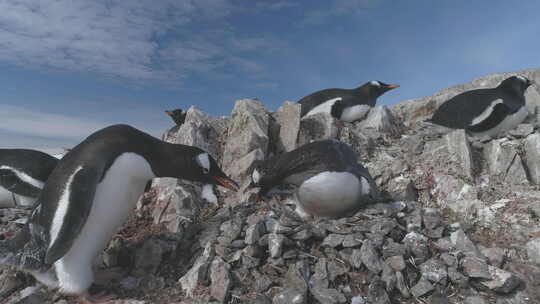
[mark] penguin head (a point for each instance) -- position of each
(178, 115)
(376, 88)
(194, 164)
(517, 84)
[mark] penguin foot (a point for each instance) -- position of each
(99, 298)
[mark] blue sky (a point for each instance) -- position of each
(70, 67)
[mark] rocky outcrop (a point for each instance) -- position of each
(457, 222)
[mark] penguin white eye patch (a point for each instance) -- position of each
(204, 161)
(375, 83)
(255, 176)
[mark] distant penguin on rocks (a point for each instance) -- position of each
(89, 195)
(178, 116)
(486, 112)
(323, 177)
(22, 175)
(345, 104)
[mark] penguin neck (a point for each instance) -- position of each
(368, 94)
(172, 160)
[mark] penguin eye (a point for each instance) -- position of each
(205, 170)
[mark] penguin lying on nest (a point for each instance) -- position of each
(89, 195)
(22, 175)
(345, 104)
(323, 176)
(486, 112)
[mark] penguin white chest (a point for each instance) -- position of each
(332, 193)
(325, 107)
(508, 123)
(115, 197)
(354, 113)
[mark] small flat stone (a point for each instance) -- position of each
(397, 262)
(421, 288)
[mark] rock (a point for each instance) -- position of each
(460, 151)
(262, 282)
(353, 240)
(197, 273)
(220, 280)
(176, 204)
(151, 283)
(401, 285)
(288, 117)
(248, 131)
(432, 218)
(328, 296)
(333, 240)
(417, 245)
(502, 282)
(377, 293)
(438, 298)
(475, 267)
(275, 244)
(532, 157)
(475, 300)
(434, 271)
(396, 262)
(336, 269)
(462, 243)
(388, 277)
(381, 120)
(254, 233)
(494, 255)
(358, 300)
(421, 288)
(320, 277)
(240, 170)
(317, 127)
(148, 257)
(520, 297)
(230, 230)
(369, 257)
(9, 282)
(297, 275)
(504, 161)
(290, 296)
(456, 277)
(522, 130)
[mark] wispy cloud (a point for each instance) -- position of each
(336, 9)
(136, 40)
(28, 122)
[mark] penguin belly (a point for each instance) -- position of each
(325, 107)
(354, 113)
(509, 123)
(331, 194)
(116, 196)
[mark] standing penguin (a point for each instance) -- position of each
(22, 175)
(324, 177)
(90, 194)
(178, 116)
(486, 112)
(344, 104)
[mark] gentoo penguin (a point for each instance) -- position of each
(90, 194)
(178, 116)
(22, 175)
(344, 104)
(324, 177)
(486, 112)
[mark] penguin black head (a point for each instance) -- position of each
(377, 88)
(517, 84)
(194, 164)
(178, 116)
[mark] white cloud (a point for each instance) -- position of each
(142, 40)
(24, 121)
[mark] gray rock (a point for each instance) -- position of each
(328, 296)
(381, 120)
(355, 259)
(396, 262)
(320, 277)
(369, 257)
(520, 297)
(240, 170)
(456, 277)
(254, 233)
(230, 230)
(503, 160)
(353, 240)
(336, 269)
(333, 240)
(421, 288)
(388, 276)
(475, 267)
(220, 279)
(522, 130)
(532, 157)
(148, 257)
(297, 276)
(317, 127)
(460, 151)
(288, 117)
(475, 300)
(248, 131)
(151, 283)
(432, 218)
(434, 271)
(401, 285)
(494, 255)
(377, 293)
(275, 244)
(502, 282)
(462, 243)
(416, 244)
(262, 282)
(533, 250)
(290, 296)
(199, 271)
(9, 282)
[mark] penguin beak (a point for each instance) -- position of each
(226, 182)
(168, 112)
(392, 86)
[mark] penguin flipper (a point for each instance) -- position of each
(10, 181)
(81, 194)
(499, 113)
